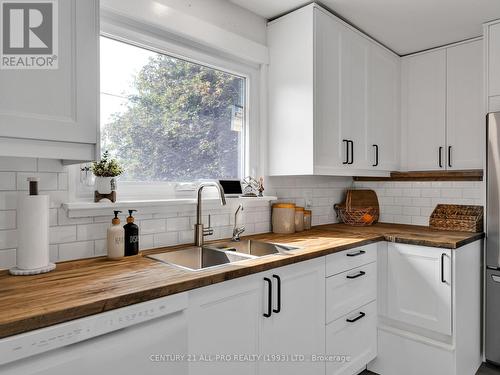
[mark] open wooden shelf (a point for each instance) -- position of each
(466, 175)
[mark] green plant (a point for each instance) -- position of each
(107, 167)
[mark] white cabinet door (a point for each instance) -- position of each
(383, 118)
(424, 110)
(419, 286)
(355, 336)
(493, 59)
(329, 151)
(60, 104)
(465, 132)
(299, 326)
(225, 319)
(354, 86)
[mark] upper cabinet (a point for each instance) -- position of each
(442, 114)
(492, 47)
(54, 113)
(333, 98)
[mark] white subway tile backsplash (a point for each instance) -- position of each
(74, 238)
(166, 239)
(418, 199)
(152, 226)
(92, 231)
(181, 223)
(17, 164)
(76, 250)
(8, 239)
(50, 165)
(62, 234)
(7, 181)
(7, 258)
(48, 181)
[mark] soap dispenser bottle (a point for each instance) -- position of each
(131, 235)
(116, 238)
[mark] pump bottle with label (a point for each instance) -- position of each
(116, 238)
(131, 235)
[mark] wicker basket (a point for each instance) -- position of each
(457, 218)
(352, 214)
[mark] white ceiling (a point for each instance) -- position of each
(405, 26)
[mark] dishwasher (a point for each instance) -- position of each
(145, 338)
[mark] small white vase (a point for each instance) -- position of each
(105, 185)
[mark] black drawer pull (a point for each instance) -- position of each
(278, 279)
(269, 297)
(361, 273)
(361, 315)
(346, 161)
(442, 268)
(360, 252)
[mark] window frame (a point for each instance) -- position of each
(148, 37)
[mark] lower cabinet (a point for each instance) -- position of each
(312, 317)
(429, 310)
(264, 323)
(296, 325)
(351, 341)
(419, 286)
(225, 320)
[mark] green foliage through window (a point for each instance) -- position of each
(168, 119)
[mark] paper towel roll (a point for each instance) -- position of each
(32, 231)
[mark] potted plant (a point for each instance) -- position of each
(105, 171)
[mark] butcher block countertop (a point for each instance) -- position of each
(81, 288)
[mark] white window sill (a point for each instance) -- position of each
(105, 207)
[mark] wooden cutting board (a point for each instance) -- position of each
(363, 198)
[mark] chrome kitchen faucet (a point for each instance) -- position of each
(199, 231)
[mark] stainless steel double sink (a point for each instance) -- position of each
(199, 258)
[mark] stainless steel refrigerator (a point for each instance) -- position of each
(492, 316)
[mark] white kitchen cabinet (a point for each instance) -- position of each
(442, 109)
(242, 317)
(383, 111)
(419, 286)
(353, 335)
(297, 322)
(492, 45)
(424, 110)
(465, 122)
(225, 319)
(55, 113)
(429, 310)
(320, 103)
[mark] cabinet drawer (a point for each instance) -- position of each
(356, 339)
(348, 290)
(349, 259)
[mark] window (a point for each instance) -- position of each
(169, 119)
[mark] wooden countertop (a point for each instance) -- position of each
(81, 288)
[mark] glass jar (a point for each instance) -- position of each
(307, 219)
(299, 219)
(283, 218)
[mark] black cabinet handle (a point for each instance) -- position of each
(278, 279)
(360, 252)
(352, 152)
(361, 315)
(269, 297)
(442, 268)
(376, 156)
(449, 156)
(361, 273)
(440, 157)
(346, 161)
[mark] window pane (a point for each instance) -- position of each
(167, 119)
